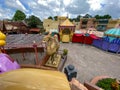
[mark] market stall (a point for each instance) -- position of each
(66, 30)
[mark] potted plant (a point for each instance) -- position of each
(64, 54)
(108, 84)
(65, 51)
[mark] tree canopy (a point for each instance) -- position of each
(19, 16)
(33, 21)
(77, 19)
(55, 18)
(50, 18)
(107, 16)
(87, 16)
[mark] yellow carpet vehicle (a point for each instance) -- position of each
(33, 79)
(2, 36)
(2, 39)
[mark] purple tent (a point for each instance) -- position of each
(105, 43)
(114, 45)
(7, 63)
(97, 43)
(118, 50)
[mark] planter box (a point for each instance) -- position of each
(62, 62)
(90, 86)
(60, 66)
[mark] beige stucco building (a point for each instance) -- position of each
(87, 23)
(77, 24)
(113, 23)
(50, 24)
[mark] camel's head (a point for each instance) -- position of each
(46, 38)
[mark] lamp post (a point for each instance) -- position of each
(36, 52)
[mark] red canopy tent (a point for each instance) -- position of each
(78, 38)
(88, 38)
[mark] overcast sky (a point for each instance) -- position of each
(72, 8)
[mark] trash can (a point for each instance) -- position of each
(70, 72)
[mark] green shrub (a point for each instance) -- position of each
(106, 83)
(65, 51)
(115, 85)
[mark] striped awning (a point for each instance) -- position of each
(115, 32)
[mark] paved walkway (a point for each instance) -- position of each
(91, 61)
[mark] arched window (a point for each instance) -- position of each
(66, 31)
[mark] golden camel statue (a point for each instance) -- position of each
(52, 46)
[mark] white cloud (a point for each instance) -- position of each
(111, 7)
(0, 15)
(5, 13)
(46, 8)
(95, 4)
(67, 2)
(20, 4)
(43, 2)
(16, 4)
(32, 5)
(78, 7)
(64, 14)
(56, 10)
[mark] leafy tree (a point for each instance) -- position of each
(78, 18)
(107, 16)
(50, 18)
(97, 16)
(33, 21)
(87, 16)
(70, 19)
(55, 18)
(19, 16)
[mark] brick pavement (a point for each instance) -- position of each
(91, 61)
